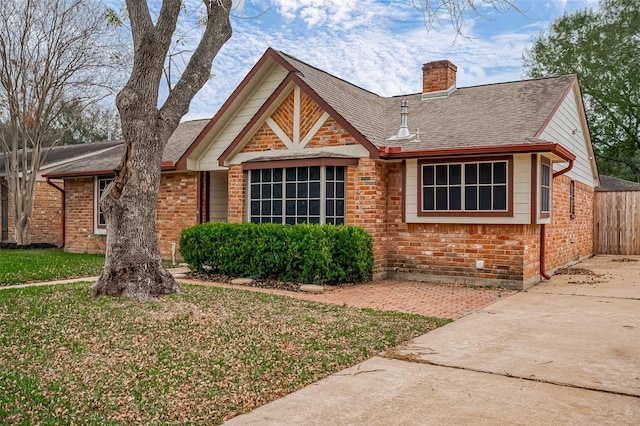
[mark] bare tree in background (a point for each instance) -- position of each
(133, 266)
(52, 58)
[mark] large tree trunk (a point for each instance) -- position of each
(133, 266)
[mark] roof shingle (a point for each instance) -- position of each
(488, 115)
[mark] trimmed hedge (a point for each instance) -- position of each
(300, 253)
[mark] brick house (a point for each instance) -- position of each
(47, 217)
(491, 184)
(180, 194)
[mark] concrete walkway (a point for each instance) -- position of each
(565, 352)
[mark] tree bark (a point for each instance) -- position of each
(133, 267)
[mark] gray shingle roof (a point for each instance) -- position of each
(68, 152)
(488, 115)
(178, 143)
(614, 184)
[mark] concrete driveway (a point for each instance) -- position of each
(565, 352)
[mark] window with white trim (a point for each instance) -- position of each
(545, 187)
(101, 185)
(314, 194)
(465, 187)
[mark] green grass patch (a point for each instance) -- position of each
(202, 356)
(23, 266)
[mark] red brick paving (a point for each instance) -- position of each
(435, 300)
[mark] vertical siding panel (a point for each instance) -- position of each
(617, 223)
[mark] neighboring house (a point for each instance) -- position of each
(180, 195)
(614, 184)
(46, 219)
(492, 184)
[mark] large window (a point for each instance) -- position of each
(101, 185)
(293, 195)
(465, 187)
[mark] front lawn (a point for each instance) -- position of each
(199, 357)
(22, 266)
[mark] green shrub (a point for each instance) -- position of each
(300, 253)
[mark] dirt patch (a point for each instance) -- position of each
(624, 259)
(586, 276)
(574, 271)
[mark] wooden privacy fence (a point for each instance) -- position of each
(616, 223)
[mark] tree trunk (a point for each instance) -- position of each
(133, 266)
(23, 232)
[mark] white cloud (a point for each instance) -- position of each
(382, 52)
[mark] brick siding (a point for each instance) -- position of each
(264, 139)
(331, 134)
(177, 209)
(46, 217)
(569, 238)
(447, 252)
(237, 193)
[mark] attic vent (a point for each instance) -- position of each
(403, 132)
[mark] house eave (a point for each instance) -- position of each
(478, 151)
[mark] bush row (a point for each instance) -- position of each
(299, 253)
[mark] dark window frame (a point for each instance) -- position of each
(572, 199)
(507, 212)
(545, 186)
(297, 194)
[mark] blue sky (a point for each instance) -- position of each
(378, 45)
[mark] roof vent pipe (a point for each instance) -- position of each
(404, 132)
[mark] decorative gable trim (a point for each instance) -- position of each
(269, 54)
(314, 129)
(270, 104)
(281, 134)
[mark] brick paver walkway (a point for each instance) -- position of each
(436, 300)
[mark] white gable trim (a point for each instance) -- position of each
(296, 115)
(312, 132)
(280, 133)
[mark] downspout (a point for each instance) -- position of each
(542, 228)
(63, 207)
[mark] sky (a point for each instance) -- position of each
(379, 45)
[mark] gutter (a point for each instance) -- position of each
(391, 152)
(63, 207)
(543, 238)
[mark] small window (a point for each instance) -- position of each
(101, 185)
(545, 188)
(572, 199)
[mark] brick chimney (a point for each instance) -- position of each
(439, 76)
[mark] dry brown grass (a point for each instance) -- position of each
(198, 357)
